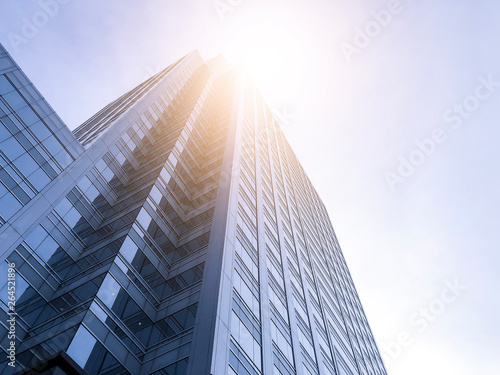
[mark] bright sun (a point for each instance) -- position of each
(273, 54)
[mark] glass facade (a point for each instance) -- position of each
(35, 146)
(174, 232)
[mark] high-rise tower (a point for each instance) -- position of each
(174, 232)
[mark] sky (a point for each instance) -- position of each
(391, 107)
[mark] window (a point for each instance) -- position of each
(9, 205)
(42, 243)
(14, 100)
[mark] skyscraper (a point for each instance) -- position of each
(174, 232)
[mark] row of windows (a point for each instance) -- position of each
(316, 248)
(31, 156)
(79, 215)
(90, 130)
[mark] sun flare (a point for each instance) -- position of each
(273, 54)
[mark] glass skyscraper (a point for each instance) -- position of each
(174, 232)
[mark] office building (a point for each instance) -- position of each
(174, 232)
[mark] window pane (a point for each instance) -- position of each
(81, 347)
(9, 206)
(40, 130)
(15, 100)
(12, 148)
(5, 85)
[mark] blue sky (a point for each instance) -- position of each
(351, 119)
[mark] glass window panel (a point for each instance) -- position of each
(63, 158)
(247, 259)
(92, 193)
(52, 145)
(12, 148)
(9, 124)
(40, 130)
(306, 343)
(27, 115)
(39, 179)
(144, 219)
(98, 311)
(280, 341)
(26, 164)
(129, 249)
(9, 177)
(15, 100)
(4, 132)
(156, 195)
(47, 248)
(3, 190)
(63, 207)
(9, 205)
(84, 184)
(81, 347)
(35, 238)
(120, 158)
(278, 303)
(26, 194)
(72, 217)
(109, 291)
(248, 343)
(5, 85)
(246, 294)
(88, 189)
(103, 168)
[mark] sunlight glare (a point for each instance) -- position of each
(273, 54)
